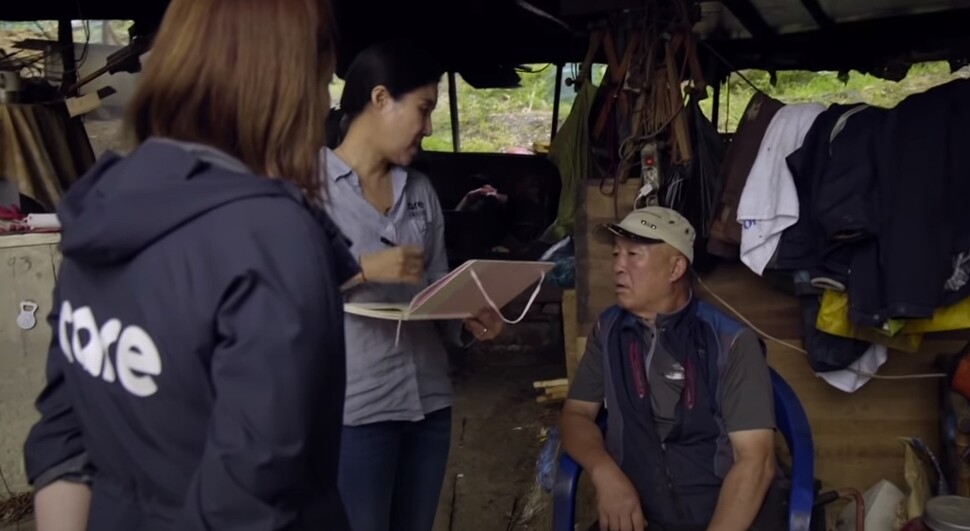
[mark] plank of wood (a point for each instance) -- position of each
(26, 240)
(550, 399)
(774, 312)
(569, 331)
(681, 150)
(604, 206)
(594, 273)
(617, 71)
(545, 384)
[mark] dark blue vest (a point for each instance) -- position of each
(678, 478)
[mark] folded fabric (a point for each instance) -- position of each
(852, 379)
(769, 202)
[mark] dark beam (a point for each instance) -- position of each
(716, 105)
(148, 10)
(513, 35)
(750, 17)
(818, 13)
(865, 45)
(574, 8)
(65, 43)
(453, 107)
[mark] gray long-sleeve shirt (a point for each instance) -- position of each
(387, 382)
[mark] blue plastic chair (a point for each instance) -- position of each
(793, 425)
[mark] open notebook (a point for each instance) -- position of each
(474, 285)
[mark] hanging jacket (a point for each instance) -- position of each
(725, 236)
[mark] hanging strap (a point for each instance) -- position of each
(491, 303)
(397, 335)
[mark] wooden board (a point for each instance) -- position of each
(856, 435)
(24, 240)
(569, 332)
(594, 277)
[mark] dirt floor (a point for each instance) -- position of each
(499, 430)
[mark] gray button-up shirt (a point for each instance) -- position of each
(387, 382)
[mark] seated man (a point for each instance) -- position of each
(690, 435)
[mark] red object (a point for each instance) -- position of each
(11, 213)
(961, 377)
(915, 524)
(649, 161)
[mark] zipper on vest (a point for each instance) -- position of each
(679, 503)
(648, 356)
(670, 483)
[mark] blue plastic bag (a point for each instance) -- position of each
(548, 459)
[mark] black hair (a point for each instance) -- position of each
(400, 66)
(335, 128)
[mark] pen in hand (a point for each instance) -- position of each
(395, 264)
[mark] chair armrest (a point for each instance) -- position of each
(794, 426)
(564, 493)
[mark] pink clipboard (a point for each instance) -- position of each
(474, 285)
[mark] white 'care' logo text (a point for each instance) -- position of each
(136, 358)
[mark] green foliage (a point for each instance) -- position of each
(93, 31)
(494, 120)
(823, 87)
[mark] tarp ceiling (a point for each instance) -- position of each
(877, 36)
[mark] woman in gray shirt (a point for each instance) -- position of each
(397, 414)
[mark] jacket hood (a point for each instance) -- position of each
(124, 204)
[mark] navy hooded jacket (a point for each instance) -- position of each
(196, 373)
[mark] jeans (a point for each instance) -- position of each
(391, 473)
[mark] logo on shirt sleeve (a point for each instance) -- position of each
(84, 342)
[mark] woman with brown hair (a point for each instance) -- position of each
(196, 372)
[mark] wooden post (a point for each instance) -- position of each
(453, 107)
(569, 332)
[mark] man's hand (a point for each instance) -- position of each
(617, 500)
